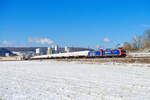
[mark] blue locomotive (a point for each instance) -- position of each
(120, 52)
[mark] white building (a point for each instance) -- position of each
(6, 54)
(49, 50)
(55, 49)
(38, 51)
(67, 49)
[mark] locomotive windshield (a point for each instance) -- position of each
(123, 50)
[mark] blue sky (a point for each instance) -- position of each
(82, 23)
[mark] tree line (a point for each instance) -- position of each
(139, 42)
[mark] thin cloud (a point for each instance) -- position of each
(5, 42)
(40, 41)
(145, 25)
(106, 40)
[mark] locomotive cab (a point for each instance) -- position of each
(122, 52)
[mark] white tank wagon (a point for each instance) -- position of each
(63, 55)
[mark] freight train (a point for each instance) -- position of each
(120, 52)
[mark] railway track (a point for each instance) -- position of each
(114, 59)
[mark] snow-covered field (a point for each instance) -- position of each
(50, 80)
(139, 54)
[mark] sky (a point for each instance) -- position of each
(78, 23)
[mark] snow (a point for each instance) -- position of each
(139, 54)
(51, 80)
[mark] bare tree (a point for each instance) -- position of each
(135, 42)
(139, 42)
(146, 44)
(147, 35)
(127, 46)
(147, 39)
